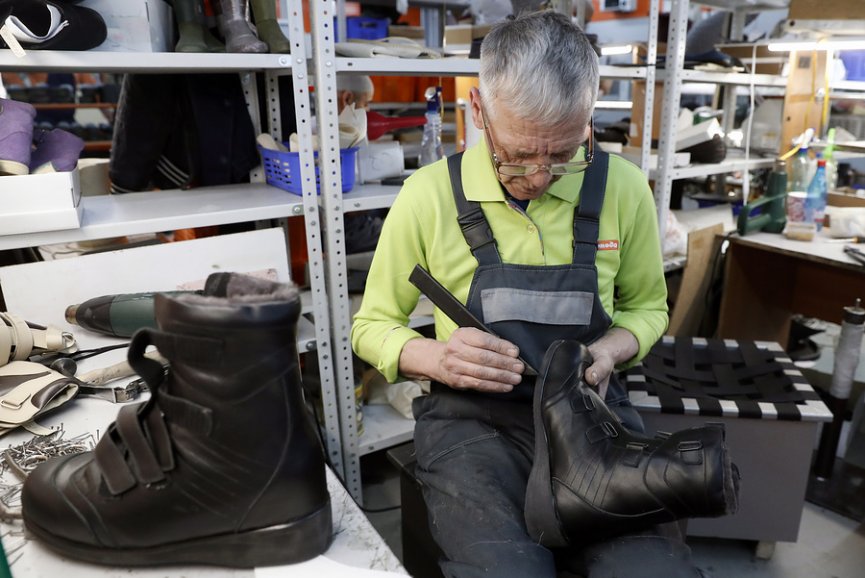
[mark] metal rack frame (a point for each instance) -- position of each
(149, 212)
(326, 64)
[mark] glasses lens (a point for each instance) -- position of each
(569, 168)
(517, 170)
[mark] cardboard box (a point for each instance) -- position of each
(638, 97)
(415, 32)
(458, 34)
(135, 25)
(35, 203)
(823, 10)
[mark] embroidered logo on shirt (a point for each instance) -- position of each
(612, 245)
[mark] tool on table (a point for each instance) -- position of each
(118, 315)
(773, 215)
(19, 339)
(855, 240)
(92, 383)
(450, 305)
(855, 254)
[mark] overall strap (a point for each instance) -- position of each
(588, 212)
(474, 225)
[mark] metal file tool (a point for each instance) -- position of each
(451, 306)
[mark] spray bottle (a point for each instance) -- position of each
(431, 143)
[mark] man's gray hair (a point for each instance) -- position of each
(541, 66)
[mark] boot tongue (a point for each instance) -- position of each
(36, 23)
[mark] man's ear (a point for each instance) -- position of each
(475, 104)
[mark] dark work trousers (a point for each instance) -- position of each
(474, 454)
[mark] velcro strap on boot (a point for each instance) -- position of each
(192, 349)
(160, 439)
(141, 431)
(633, 454)
(692, 452)
(601, 432)
(581, 403)
(141, 456)
(112, 463)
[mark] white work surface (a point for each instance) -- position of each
(39, 292)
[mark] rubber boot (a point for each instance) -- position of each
(16, 136)
(193, 34)
(592, 479)
(239, 37)
(268, 27)
(222, 465)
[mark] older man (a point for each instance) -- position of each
(571, 251)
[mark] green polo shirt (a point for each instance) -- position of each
(421, 228)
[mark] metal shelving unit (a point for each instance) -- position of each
(383, 426)
(675, 75)
(146, 212)
(153, 211)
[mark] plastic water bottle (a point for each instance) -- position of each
(815, 203)
(801, 172)
(431, 143)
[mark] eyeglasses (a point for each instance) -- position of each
(525, 170)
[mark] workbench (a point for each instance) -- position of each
(769, 278)
(356, 548)
(40, 292)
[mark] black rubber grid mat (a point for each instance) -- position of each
(715, 377)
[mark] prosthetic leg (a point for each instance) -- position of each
(268, 27)
(239, 37)
(592, 479)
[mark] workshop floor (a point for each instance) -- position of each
(829, 546)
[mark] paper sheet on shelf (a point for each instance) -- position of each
(320, 567)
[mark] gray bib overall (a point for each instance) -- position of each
(534, 305)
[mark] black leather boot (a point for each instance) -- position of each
(221, 466)
(592, 479)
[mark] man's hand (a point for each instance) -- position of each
(471, 359)
(616, 346)
(598, 373)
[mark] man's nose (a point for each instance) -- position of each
(540, 178)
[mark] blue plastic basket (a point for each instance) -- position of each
(283, 169)
(854, 62)
(366, 28)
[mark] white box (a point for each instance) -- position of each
(379, 160)
(135, 25)
(33, 203)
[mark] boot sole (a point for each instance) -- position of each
(13, 168)
(290, 543)
(540, 511)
